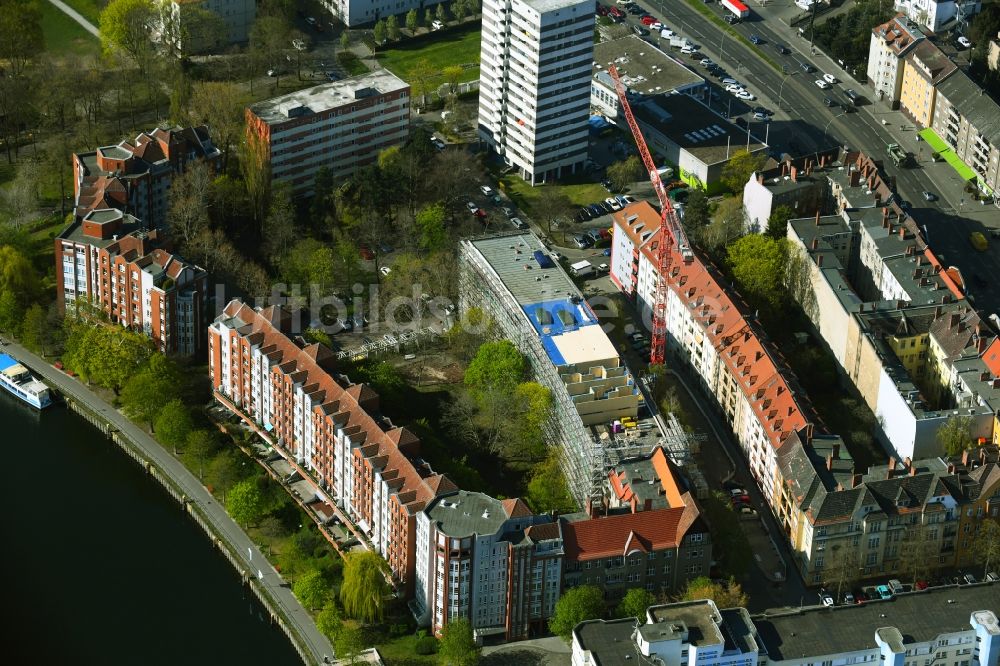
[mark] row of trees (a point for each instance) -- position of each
(586, 602)
(389, 27)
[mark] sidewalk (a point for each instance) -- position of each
(76, 16)
(257, 570)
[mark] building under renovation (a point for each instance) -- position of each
(534, 304)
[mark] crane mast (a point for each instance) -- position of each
(671, 233)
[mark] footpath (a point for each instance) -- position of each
(249, 561)
(76, 16)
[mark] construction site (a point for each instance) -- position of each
(601, 413)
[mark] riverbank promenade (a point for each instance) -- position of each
(251, 560)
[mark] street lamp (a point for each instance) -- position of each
(782, 86)
(826, 129)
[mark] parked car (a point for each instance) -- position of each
(385, 270)
(825, 598)
(745, 95)
(921, 585)
(518, 223)
(969, 579)
(849, 599)
(647, 20)
(761, 117)
(964, 42)
(607, 252)
(883, 592)
(582, 215)
(614, 203)
(471, 206)
(436, 25)
(640, 31)
(992, 577)
(895, 586)
(582, 242)
(486, 190)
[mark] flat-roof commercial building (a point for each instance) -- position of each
(535, 305)
(111, 261)
(693, 138)
(947, 625)
(534, 84)
(645, 72)
(341, 126)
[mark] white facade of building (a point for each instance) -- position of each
(365, 12)
(890, 42)
(534, 86)
(935, 15)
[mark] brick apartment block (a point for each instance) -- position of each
(135, 176)
(341, 126)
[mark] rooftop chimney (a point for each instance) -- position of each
(794, 174)
(836, 452)
(951, 468)
(829, 463)
(855, 481)
(965, 457)
(819, 260)
(913, 471)
(953, 321)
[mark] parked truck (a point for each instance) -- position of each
(738, 9)
(582, 268)
(677, 42)
(899, 157)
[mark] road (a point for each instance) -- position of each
(76, 16)
(288, 606)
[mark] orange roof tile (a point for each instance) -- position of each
(619, 534)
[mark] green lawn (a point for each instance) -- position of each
(64, 36)
(450, 49)
(90, 9)
(524, 195)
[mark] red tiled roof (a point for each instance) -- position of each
(544, 531)
(515, 508)
(721, 315)
(620, 534)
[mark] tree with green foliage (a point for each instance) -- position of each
(739, 168)
(201, 445)
(732, 546)
(345, 40)
(328, 621)
(433, 232)
(145, 393)
(428, 17)
(625, 172)
(35, 328)
(697, 210)
(379, 32)
(173, 424)
(349, 644)
(17, 275)
(11, 314)
(226, 469)
(458, 646)
(955, 436)
(124, 27)
(219, 104)
(498, 365)
(458, 10)
(311, 588)
(245, 504)
(21, 37)
(104, 354)
(440, 13)
(725, 595)
(986, 546)
(635, 603)
(412, 20)
(392, 28)
(757, 264)
(547, 490)
(576, 605)
(777, 223)
(364, 590)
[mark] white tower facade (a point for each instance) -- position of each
(534, 85)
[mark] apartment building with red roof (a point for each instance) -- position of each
(709, 329)
(649, 534)
(107, 259)
(135, 176)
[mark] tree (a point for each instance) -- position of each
(328, 621)
(457, 646)
(918, 555)
(218, 104)
(428, 17)
(35, 328)
(727, 225)
(412, 20)
(552, 208)
(145, 393)
(635, 603)
(624, 173)
(843, 567)
(103, 354)
(392, 28)
(188, 213)
(739, 168)
(452, 74)
(575, 606)
(547, 489)
(364, 589)
(986, 546)
(20, 197)
(279, 225)
(201, 445)
(124, 27)
(777, 223)
(757, 264)
(433, 233)
(955, 436)
(312, 588)
(345, 40)
(270, 39)
(498, 365)
(349, 644)
(379, 32)
(17, 275)
(440, 13)
(21, 38)
(458, 10)
(255, 167)
(735, 552)
(725, 595)
(173, 424)
(11, 313)
(424, 75)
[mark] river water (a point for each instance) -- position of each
(98, 565)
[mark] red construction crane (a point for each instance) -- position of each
(671, 233)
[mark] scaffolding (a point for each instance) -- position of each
(587, 456)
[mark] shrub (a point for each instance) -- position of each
(426, 645)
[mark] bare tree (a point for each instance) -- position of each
(219, 104)
(188, 214)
